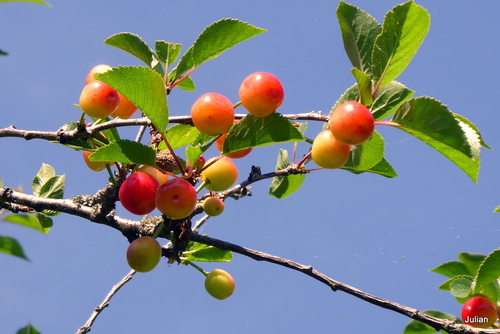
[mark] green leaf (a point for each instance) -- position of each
(284, 186)
(254, 131)
(203, 253)
(187, 84)
(497, 209)
(47, 184)
(473, 127)
(452, 269)
(472, 261)
(489, 271)
(35, 1)
(11, 246)
(359, 31)
(214, 40)
(28, 330)
(3, 53)
(388, 99)
(44, 174)
(31, 221)
(144, 88)
(365, 156)
(430, 121)
(417, 327)
(447, 285)
(364, 85)
(383, 168)
(127, 152)
(194, 152)
(167, 52)
(461, 286)
(134, 45)
(181, 134)
(403, 31)
(45, 222)
(53, 187)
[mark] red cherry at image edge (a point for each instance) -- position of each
(479, 312)
(138, 193)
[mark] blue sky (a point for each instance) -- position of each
(379, 235)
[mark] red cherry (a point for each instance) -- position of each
(261, 94)
(479, 312)
(352, 123)
(138, 192)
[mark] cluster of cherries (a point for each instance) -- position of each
(351, 123)
(149, 188)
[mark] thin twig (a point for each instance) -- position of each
(88, 325)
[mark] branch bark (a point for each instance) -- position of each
(64, 136)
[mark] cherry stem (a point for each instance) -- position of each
(177, 162)
(202, 185)
(204, 272)
(185, 76)
(389, 123)
(211, 162)
(237, 104)
(158, 230)
(303, 160)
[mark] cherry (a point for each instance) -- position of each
(144, 254)
(261, 94)
(98, 99)
(125, 109)
(221, 174)
(213, 206)
(176, 198)
(154, 172)
(219, 284)
(479, 312)
(328, 152)
(212, 114)
(96, 166)
(219, 143)
(96, 70)
(138, 192)
(352, 123)
(198, 164)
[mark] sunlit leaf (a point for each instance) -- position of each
(132, 44)
(214, 40)
(430, 121)
(403, 31)
(254, 131)
(359, 31)
(143, 87)
(125, 151)
(284, 186)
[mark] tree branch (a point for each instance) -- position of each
(64, 136)
(438, 324)
(90, 208)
